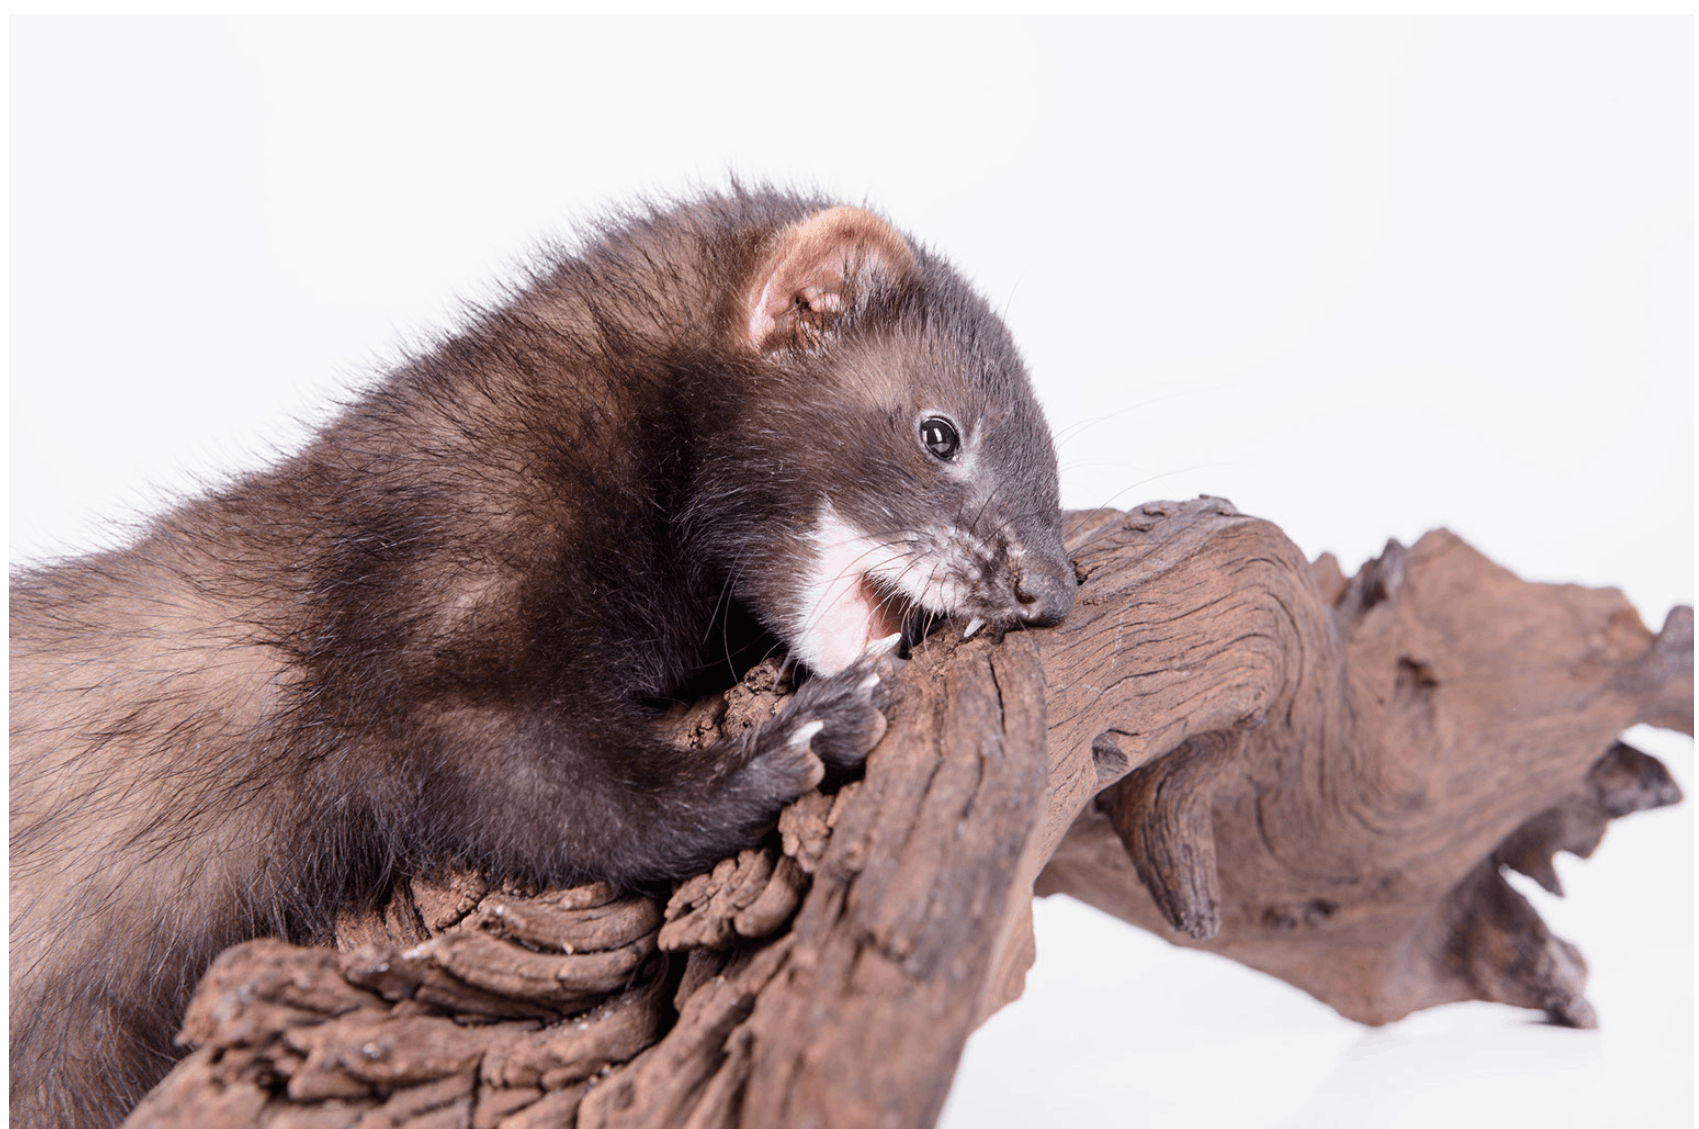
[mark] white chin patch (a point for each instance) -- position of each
(841, 612)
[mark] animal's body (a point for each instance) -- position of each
(438, 634)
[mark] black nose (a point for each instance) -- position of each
(1045, 591)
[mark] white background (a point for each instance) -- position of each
(1362, 277)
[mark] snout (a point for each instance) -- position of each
(1044, 591)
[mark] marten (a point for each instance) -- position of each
(442, 633)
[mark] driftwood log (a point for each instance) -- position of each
(1226, 743)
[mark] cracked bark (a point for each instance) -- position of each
(1225, 743)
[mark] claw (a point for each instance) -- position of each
(972, 628)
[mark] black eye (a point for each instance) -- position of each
(938, 435)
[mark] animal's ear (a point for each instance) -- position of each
(809, 276)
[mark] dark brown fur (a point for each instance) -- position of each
(438, 634)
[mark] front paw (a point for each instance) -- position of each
(831, 724)
(843, 711)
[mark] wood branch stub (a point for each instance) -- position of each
(1624, 781)
(1161, 811)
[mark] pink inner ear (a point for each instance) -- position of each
(817, 286)
(814, 259)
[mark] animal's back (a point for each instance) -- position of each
(125, 686)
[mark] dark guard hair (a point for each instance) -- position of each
(438, 634)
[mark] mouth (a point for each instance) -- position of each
(890, 612)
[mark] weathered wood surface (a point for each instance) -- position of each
(1224, 743)
(1376, 748)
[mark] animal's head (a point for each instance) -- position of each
(892, 434)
